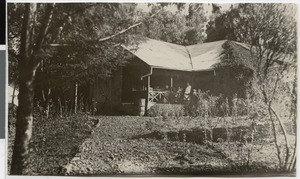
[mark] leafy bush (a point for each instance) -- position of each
(166, 110)
(208, 105)
(221, 106)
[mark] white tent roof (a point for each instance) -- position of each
(159, 54)
(205, 55)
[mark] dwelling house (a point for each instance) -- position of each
(157, 67)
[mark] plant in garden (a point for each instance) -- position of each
(166, 110)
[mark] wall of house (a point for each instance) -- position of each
(107, 92)
(110, 93)
(133, 86)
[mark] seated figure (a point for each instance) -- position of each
(187, 92)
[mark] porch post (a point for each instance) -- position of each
(171, 81)
(215, 80)
(147, 99)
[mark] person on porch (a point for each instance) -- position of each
(194, 103)
(166, 97)
(187, 92)
(179, 95)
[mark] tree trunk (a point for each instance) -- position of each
(293, 158)
(60, 108)
(294, 164)
(47, 110)
(65, 107)
(76, 98)
(275, 137)
(23, 123)
(25, 97)
(287, 146)
(46, 101)
(27, 66)
(13, 102)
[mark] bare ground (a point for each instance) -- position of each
(154, 146)
(130, 145)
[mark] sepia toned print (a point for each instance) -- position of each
(152, 89)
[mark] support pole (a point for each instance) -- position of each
(171, 82)
(147, 99)
(215, 85)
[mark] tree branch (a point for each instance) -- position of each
(44, 27)
(125, 30)
(43, 31)
(287, 155)
(119, 33)
(111, 36)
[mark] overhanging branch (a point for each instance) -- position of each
(125, 30)
(119, 33)
(111, 36)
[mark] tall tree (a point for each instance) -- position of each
(176, 23)
(270, 31)
(195, 24)
(31, 42)
(218, 28)
(90, 32)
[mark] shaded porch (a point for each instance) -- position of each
(156, 85)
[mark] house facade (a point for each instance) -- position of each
(157, 67)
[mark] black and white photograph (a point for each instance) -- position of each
(152, 89)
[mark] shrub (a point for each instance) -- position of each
(166, 110)
(220, 106)
(208, 105)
